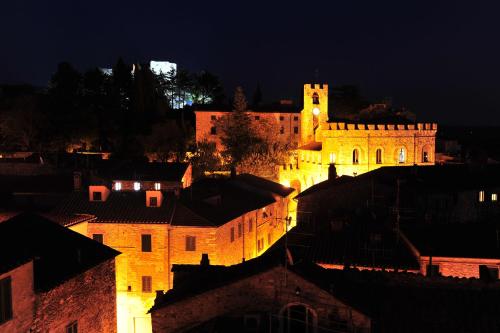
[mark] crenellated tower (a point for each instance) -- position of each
(315, 112)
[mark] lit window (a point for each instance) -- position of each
(157, 186)
(72, 328)
(98, 238)
(355, 156)
(147, 282)
(332, 158)
(118, 186)
(494, 197)
(402, 155)
(425, 157)
(5, 300)
(481, 196)
(137, 186)
(190, 243)
(378, 156)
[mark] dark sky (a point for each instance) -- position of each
(440, 58)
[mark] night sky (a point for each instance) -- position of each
(439, 58)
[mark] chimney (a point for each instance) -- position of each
(205, 262)
(332, 171)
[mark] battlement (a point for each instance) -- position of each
(316, 86)
(336, 126)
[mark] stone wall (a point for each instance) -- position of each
(23, 299)
(89, 299)
(264, 292)
(458, 267)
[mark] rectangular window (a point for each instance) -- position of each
(96, 196)
(425, 157)
(296, 118)
(240, 230)
(146, 243)
(250, 225)
(481, 196)
(190, 243)
(494, 197)
(257, 117)
(146, 284)
(5, 300)
(282, 130)
(118, 186)
(212, 117)
(269, 240)
(282, 118)
(213, 130)
(295, 130)
(232, 234)
(98, 238)
(153, 201)
(72, 328)
(260, 244)
(137, 186)
(157, 186)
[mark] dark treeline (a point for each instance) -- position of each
(129, 112)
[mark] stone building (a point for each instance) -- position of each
(353, 147)
(53, 279)
(230, 220)
(260, 295)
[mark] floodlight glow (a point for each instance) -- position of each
(162, 67)
(316, 111)
(137, 186)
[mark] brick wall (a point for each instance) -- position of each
(262, 292)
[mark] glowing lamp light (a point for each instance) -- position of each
(137, 186)
(118, 186)
(316, 111)
(285, 183)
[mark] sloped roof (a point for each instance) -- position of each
(58, 253)
(132, 170)
(473, 240)
(316, 146)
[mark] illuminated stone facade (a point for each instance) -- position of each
(175, 234)
(353, 147)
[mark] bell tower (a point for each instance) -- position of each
(315, 112)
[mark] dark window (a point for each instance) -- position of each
(282, 130)
(98, 238)
(146, 284)
(425, 157)
(250, 225)
(5, 300)
(72, 328)
(355, 156)
(213, 117)
(269, 239)
(378, 156)
(315, 98)
(153, 201)
(213, 130)
(260, 244)
(295, 118)
(257, 117)
(296, 130)
(232, 234)
(282, 118)
(190, 243)
(146, 243)
(240, 230)
(96, 196)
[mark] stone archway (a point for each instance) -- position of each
(298, 317)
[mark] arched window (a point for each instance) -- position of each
(401, 155)
(378, 156)
(355, 156)
(298, 318)
(332, 158)
(315, 98)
